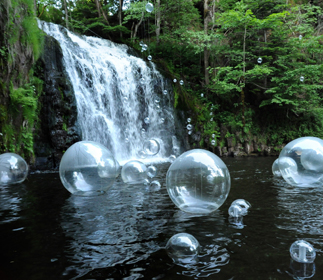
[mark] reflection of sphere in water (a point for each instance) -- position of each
(87, 168)
(149, 7)
(302, 251)
(134, 172)
(243, 204)
(183, 248)
(13, 169)
(235, 211)
(275, 168)
(151, 171)
(198, 182)
(151, 147)
(301, 162)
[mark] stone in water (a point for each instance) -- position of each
(302, 252)
(259, 60)
(87, 168)
(151, 147)
(134, 172)
(151, 171)
(149, 57)
(301, 162)
(183, 248)
(195, 175)
(157, 100)
(13, 169)
(149, 7)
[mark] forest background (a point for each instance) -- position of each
(212, 45)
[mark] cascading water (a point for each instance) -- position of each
(115, 91)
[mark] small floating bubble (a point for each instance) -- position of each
(144, 47)
(162, 120)
(146, 120)
(211, 119)
(302, 252)
(202, 94)
(142, 81)
(235, 211)
(300, 37)
(189, 132)
(181, 82)
(213, 142)
(142, 154)
(259, 60)
(172, 158)
(126, 140)
(211, 113)
(149, 7)
(151, 171)
(189, 127)
(301, 78)
(175, 81)
(141, 43)
(149, 57)
(154, 186)
(165, 91)
(157, 100)
(213, 135)
(189, 120)
(151, 147)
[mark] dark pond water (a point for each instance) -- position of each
(48, 234)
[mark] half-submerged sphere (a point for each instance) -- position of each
(134, 172)
(301, 162)
(87, 168)
(151, 147)
(13, 169)
(243, 204)
(198, 182)
(183, 248)
(149, 7)
(302, 252)
(275, 169)
(235, 211)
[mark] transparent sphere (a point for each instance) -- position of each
(213, 135)
(189, 132)
(151, 147)
(259, 60)
(172, 158)
(134, 172)
(125, 99)
(183, 248)
(189, 127)
(243, 204)
(213, 142)
(189, 120)
(144, 47)
(162, 120)
(149, 57)
(211, 113)
(142, 81)
(300, 37)
(151, 171)
(165, 92)
(211, 119)
(235, 211)
(87, 168)
(146, 120)
(301, 162)
(202, 94)
(141, 43)
(301, 78)
(157, 99)
(13, 169)
(181, 82)
(275, 168)
(198, 182)
(175, 80)
(302, 252)
(142, 154)
(154, 186)
(126, 140)
(149, 7)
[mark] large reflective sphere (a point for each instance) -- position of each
(134, 172)
(301, 162)
(183, 248)
(87, 168)
(302, 252)
(13, 169)
(198, 182)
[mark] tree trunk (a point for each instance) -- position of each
(97, 7)
(137, 25)
(157, 20)
(120, 15)
(66, 13)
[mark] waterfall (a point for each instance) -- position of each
(115, 91)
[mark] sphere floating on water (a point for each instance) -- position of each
(243, 204)
(301, 78)
(151, 171)
(149, 7)
(87, 168)
(151, 147)
(198, 182)
(183, 248)
(275, 169)
(302, 252)
(13, 169)
(181, 82)
(235, 211)
(301, 162)
(259, 60)
(149, 57)
(134, 172)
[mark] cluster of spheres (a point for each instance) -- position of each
(300, 162)
(198, 182)
(88, 168)
(302, 252)
(183, 248)
(13, 169)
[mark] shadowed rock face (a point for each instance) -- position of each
(58, 115)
